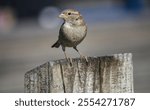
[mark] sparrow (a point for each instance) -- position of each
(72, 31)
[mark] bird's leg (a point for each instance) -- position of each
(81, 54)
(67, 58)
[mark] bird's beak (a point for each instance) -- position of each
(61, 15)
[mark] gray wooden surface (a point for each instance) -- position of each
(108, 74)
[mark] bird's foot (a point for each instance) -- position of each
(70, 61)
(84, 58)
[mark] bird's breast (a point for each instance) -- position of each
(74, 33)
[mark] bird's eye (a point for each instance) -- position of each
(69, 13)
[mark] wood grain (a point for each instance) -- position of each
(108, 74)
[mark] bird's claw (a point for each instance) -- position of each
(85, 58)
(69, 61)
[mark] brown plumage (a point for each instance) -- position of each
(72, 31)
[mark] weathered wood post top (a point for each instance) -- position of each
(108, 74)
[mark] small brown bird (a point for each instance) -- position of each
(72, 31)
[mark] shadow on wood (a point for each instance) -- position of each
(108, 74)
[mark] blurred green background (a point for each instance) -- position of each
(28, 28)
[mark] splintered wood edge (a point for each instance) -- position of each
(128, 55)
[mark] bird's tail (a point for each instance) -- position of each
(57, 44)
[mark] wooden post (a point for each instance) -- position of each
(108, 74)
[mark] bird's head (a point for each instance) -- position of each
(72, 16)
